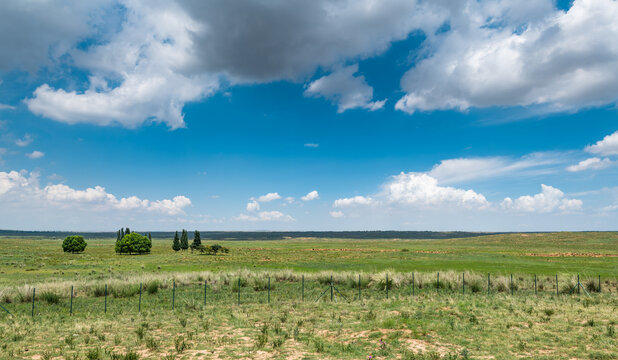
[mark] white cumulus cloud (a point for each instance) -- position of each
(593, 163)
(16, 187)
(253, 206)
(27, 140)
(607, 146)
(508, 53)
(337, 214)
(35, 154)
(356, 200)
(345, 89)
(422, 189)
(548, 200)
(269, 197)
(312, 195)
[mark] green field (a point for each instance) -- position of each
(412, 315)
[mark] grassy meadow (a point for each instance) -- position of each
(405, 309)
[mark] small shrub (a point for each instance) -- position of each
(179, 344)
(152, 287)
(50, 297)
(93, 354)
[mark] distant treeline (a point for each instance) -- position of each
(266, 235)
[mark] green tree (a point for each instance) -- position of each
(127, 231)
(215, 248)
(74, 244)
(184, 240)
(197, 240)
(134, 243)
(150, 237)
(176, 243)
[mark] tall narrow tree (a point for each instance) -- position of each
(127, 231)
(197, 240)
(184, 240)
(150, 237)
(176, 243)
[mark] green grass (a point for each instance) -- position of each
(23, 259)
(438, 322)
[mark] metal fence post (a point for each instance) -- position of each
(33, 295)
(71, 309)
(359, 288)
(578, 284)
(599, 283)
(139, 306)
(105, 311)
(556, 284)
(302, 291)
(204, 292)
(534, 284)
(269, 289)
(387, 285)
(174, 295)
(331, 288)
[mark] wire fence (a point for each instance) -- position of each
(170, 296)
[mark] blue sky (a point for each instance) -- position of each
(484, 116)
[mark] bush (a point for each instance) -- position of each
(152, 287)
(133, 243)
(74, 244)
(50, 297)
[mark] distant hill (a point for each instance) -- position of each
(267, 235)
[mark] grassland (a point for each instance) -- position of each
(419, 318)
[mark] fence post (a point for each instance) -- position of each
(557, 284)
(139, 306)
(359, 288)
(534, 284)
(174, 295)
(105, 299)
(33, 294)
(269, 289)
(387, 285)
(463, 283)
(599, 284)
(578, 284)
(488, 284)
(239, 290)
(71, 309)
(205, 292)
(512, 289)
(303, 288)
(331, 288)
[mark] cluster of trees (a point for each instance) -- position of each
(74, 244)
(182, 243)
(128, 242)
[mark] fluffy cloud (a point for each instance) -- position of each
(593, 163)
(607, 146)
(16, 187)
(35, 154)
(312, 195)
(312, 145)
(512, 54)
(253, 206)
(422, 189)
(136, 75)
(337, 214)
(27, 140)
(262, 41)
(548, 200)
(269, 197)
(346, 90)
(5, 106)
(356, 200)
(33, 34)
(265, 216)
